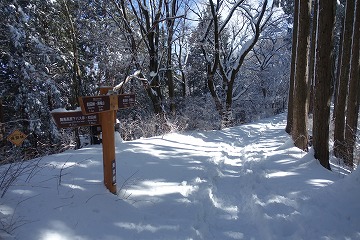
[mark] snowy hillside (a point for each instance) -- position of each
(247, 182)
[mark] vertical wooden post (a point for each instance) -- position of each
(108, 145)
(107, 120)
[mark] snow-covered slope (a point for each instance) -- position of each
(247, 182)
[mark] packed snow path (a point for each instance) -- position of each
(240, 183)
(247, 182)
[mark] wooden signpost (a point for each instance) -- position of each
(104, 103)
(71, 119)
(101, 110)
(126, 100)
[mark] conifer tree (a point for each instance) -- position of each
(323, 80)
(354, 91)
(300, 103)
(343, 81)
(289, 119)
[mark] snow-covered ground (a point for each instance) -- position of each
(246, 182)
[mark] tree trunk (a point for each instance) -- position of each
(289, 123)
(323, 80)
(343, 81)
(312, 56)
(170, 14)
(76, 74)
(354, 91)
(227, 118)
(211, 67)
(300, 104)
(149, 30)
(227, 115)
(211, 86)
(154, 74)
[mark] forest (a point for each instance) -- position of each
(193, 65)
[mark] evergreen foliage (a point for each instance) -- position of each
(53, 52)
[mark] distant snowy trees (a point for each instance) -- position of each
(236, 60)
(27, 89)
(210, 65)
(192, 65)
(226, 59)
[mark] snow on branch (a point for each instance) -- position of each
(251, 42)
(240, 93)
(231, 12)
(137, 75)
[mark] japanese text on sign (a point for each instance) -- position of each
(74, 119)
(96, 104)
(126, 100)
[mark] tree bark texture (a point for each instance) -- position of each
(289, 122)
(323, 80)
(211, 67)
(312, 60)
(170, 14)
(354, 91)
(343, 80)
(149, 28)
(76, 73)
(300, 104)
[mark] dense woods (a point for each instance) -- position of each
(192, 65)
(315, 81)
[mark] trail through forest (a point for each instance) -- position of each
(246, 182)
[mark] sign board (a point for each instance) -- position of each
(17, 137)
(95, 104)
(105, 103)
(126, 100)
(74, 119)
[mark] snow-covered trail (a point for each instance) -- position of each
(217, 182)
(237, 184)
(247, 182)
(236, 164)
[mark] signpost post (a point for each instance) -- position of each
(101, 110)
(107, 119)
